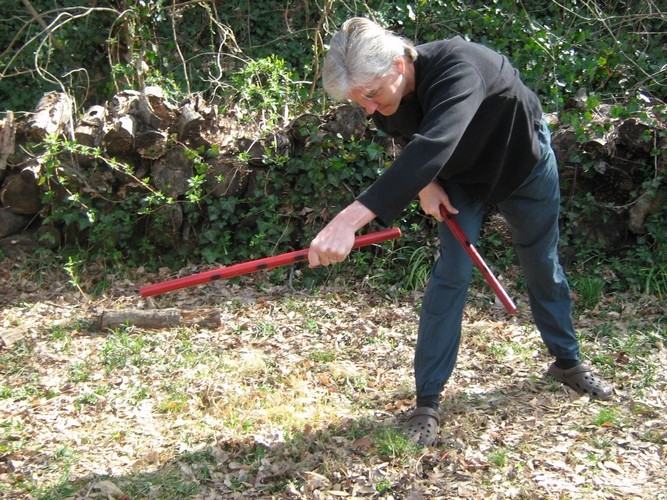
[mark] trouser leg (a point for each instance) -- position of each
(532, 215)
(439, 332)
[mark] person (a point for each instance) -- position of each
(476, 136)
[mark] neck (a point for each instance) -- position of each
(410, 83)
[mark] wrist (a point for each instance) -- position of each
(354, 216)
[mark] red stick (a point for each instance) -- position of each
(257, 265)
(477, 259)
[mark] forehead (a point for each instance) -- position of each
(369, 87)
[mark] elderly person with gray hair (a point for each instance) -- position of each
(476, 135)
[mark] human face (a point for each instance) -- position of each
(383, 94)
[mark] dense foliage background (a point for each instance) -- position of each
(259, 61)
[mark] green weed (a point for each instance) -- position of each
(498, 458)
(607, 417)
(80, 372)
(394, 444)
(590, 290)
(121, 349)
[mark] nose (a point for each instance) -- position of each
(369, 106)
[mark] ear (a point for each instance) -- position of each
(400, 65)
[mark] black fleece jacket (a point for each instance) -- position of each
(471, 120)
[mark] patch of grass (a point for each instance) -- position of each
(655, 436)
(602, 442)
(60, 333)
(176, 399)
(86, 399)
(607, 417)
(384, 486)
(139, 393)
(498, 457)
(265, 329)
(121, 349)
(167, 483)
(16, 360)
(6, 392)
(394, 444)
(419, 268)
(311, 325)
(80, 371)
(590, 290)
(323, 356)
(29, 389)
(62, 489)
(500, 350)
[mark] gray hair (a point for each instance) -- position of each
(359, 53)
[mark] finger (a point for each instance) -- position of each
(450, 208)
(313, 258)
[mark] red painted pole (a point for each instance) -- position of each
(256, 265)
(477, 259)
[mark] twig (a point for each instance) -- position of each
(178, 47)
(37, 17)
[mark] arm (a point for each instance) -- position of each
(335, 241)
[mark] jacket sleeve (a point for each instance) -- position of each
(450, 100)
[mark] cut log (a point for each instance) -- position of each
(142, 318)
(89, 128)
(163, 108)
(51, 117)
(647, 204)
(7, 135)
(100, 182)
(159, 318)
(10, 336)
(171, 173)
(279, 144)
(163, 226)
(49, 236)
(155, 110)
(347, 121)
(634, 136)
(124, 103)
(121, 125)
(302, 126)
(189, 123)
(89, 131)
(20, 192)
(227, 176)
(18, 247)
(151, 143)
(119, 135)
(11, 223)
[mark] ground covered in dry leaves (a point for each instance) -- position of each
(302, 395)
